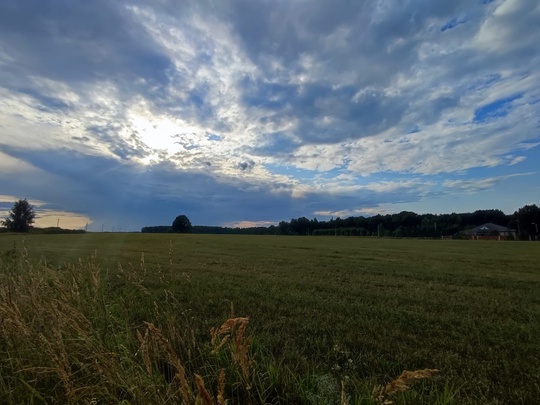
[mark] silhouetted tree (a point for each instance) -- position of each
(20, 217)
(527, 220)
(157, 229)
(181, 224)
(284, 228)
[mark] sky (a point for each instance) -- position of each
(116, 115)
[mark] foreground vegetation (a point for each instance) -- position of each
(148, 319)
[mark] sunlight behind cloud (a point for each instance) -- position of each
(159, 133)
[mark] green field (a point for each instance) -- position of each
(323, 310)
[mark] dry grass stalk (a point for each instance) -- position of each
(58, 354)
(203, 396)
(221, 388)
(143, 264)
(133, 277)
(156, 310)
(173, 359)
(11, 315)
(344, 400)
(217, 343)
(160, 274)
(382, 395)
(235, 328)
(171, 252)
(70, 318)
(143, 341)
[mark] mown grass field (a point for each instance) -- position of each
(324, 311)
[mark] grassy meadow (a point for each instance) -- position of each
(126, 318)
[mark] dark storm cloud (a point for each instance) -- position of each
(128, 196)
(246, 165)
(109, 190)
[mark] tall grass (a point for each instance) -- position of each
(329, 319)
(69, 336)
(80, 334)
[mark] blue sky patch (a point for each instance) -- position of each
(214, 137)
(290, 171)
(454, 22)
(414, 130)
(499, 108)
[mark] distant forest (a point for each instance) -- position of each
(405, 224)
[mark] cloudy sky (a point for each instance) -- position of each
(128, 113)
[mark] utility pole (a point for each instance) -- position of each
(102, 228)
(58, 223)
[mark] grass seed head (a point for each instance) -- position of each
(203, 396)
(382, 395)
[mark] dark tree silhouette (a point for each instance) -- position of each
(527, 220)
(20, 217)
(181, 224)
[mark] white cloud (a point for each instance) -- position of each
(475, 185)
(500, 33)
(367, 212)
(248, 224)
(12, 166)
(393, 186)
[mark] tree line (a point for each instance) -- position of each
(181, 224)
(413, 225)
(525, 221)
(405, 224)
